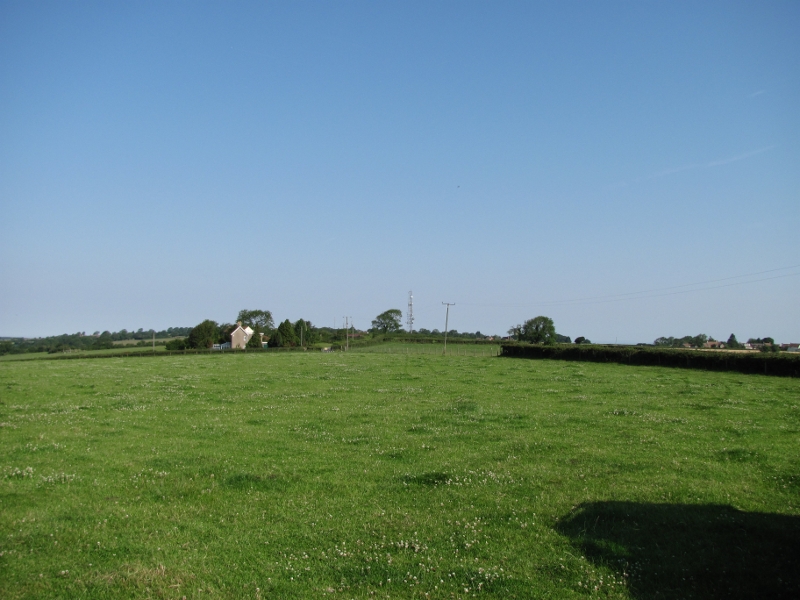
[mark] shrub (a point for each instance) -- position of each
(766, 364)
(176, 344)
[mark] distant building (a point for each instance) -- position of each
(793, 347)
(714, 344)
(240, 336)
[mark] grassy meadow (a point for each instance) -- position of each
(121, 350)
(394, 475)
(453, 349)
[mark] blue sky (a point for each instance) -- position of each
(166, 162)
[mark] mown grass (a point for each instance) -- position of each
(361, 475)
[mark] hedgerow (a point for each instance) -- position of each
(783, 365)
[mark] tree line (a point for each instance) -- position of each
(208, 333)
(539, 330)
(301, 332)
(765, 344)
(390, 322)
(80, 341)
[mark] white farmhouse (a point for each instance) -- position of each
(240, 336)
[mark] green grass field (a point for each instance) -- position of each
(453, 349)
(116, 351)
(371, 475)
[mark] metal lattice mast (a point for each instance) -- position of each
(410, 315)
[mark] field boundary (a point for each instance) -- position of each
(778, 365)
(158, 353)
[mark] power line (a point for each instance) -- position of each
(638, 295)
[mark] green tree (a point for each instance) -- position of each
(288, 336)
(275, 339)
(104, 342)
(699, 340)
(225, 331)
(255, 339)
(306, 333)
(203, 335)
(388, 321)
(261, 319)
(733, 343)
(539, 330)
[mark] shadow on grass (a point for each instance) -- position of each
(685, 551)
(432, 478)
(248, 481)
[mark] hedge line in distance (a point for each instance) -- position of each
(782, 365)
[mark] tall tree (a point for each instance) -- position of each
(261, 319)
(539, 330)
(287, 335)
(388, 321)
(225, 331)
(203, 335)
(306, 333)
(275, 339)
(255, 339)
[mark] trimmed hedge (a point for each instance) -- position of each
(782, 365)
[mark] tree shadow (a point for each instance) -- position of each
(685, 551)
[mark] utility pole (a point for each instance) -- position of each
(446, 319)
(410, 315)
(346, 334)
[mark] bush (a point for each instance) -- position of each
(177, 344)
(766, 364)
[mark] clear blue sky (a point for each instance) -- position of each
(163, 162)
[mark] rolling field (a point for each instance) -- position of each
(371, 475)
(453, 349)
(116, 351)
